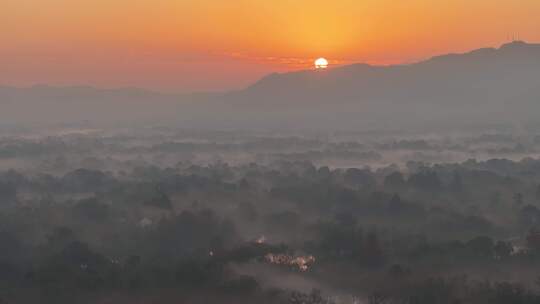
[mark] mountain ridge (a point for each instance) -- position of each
(485, 85)
(486, 68)
(514, 46)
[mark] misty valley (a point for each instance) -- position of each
(269, 152)
(167, 214)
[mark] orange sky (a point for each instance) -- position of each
(190, 45)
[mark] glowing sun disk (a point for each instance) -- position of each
(321, 63)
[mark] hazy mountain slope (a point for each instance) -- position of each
(512, 69)
(47, 104)
(483, 86)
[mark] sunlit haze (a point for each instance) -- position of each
(194, 45)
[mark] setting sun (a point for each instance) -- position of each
(321, 63)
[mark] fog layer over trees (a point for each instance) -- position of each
(409, 184)
(172, 215)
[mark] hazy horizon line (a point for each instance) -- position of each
(165, 92)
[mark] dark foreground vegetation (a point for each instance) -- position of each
(287, 231)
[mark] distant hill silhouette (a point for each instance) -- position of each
(515, 66)
(488, 85)
(49, 104)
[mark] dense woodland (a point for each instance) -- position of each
(215, 217)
